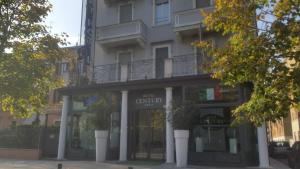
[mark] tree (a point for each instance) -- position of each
(28, 56)
(263, 50)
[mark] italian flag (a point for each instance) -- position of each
(211, 94)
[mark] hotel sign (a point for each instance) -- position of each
(149, 100)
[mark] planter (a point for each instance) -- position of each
(101, 145)
(181, 141)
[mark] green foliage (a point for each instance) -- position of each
(28, 55)
(101, 110)
(263, 49)
(182, 115)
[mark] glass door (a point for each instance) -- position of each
(82, 139)
(149, 135)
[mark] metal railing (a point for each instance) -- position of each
(183, 65)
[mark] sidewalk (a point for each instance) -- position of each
(16, 164)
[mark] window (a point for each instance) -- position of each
(162, 12)
(203, 3)
(80, 67)
(211, 94)
(211, 131)
(64, 68)
(125, 13)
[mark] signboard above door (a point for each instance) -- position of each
(147, 100)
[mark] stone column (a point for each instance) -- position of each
(169, 127)
(63, 128)
(124, 120)
(263, 147)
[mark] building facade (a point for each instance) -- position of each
(142, 57)
(295, 118)
(281, 130)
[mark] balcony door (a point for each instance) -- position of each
(161, 53)
(124, 59)
(125, 13)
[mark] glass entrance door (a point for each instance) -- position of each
(149, 135)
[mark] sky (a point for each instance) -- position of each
(65, 17)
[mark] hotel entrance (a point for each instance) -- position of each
(148, 136)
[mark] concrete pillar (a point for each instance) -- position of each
(263, 147)
(124, 120)
(169, 127)
(63, 128)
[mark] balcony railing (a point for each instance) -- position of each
(189, 19)
(184, 65)
(123, 33)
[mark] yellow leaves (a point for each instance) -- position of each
(39, 56)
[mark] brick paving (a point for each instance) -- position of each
(17, 164)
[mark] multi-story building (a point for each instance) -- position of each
(295, 118)
(142, 56)
(281, 130)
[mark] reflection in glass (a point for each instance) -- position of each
(82, 132)
(211, 132)
(149, 134)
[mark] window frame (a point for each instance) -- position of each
(154, 23)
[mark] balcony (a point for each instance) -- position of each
(110, 2)
(188, 23)
(185, 65)
(130, 33)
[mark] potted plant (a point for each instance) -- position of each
(100, 120)
(182, 116)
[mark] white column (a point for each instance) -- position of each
(169, 127)
(63, 128)
(124, 117)
(263, 147)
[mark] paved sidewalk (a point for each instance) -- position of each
(16, 164)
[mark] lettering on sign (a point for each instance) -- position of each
(148, 100)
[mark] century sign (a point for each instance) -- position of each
(148, 100)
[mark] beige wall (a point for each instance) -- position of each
(281, 130)
(295, 124)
